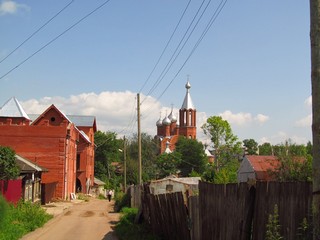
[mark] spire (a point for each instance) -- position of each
(187, 103)
(12, 108)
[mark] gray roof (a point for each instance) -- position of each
(187, 102)
(82, 121)
(27, 166)
(98, 182)
(78, 120)
(12, 108)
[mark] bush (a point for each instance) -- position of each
(121, 200)
(16, 221)
(126, 229)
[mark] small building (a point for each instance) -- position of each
(188, 186)
(27, 186)
(257, 168)
(98, 187)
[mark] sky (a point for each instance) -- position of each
(247, 61)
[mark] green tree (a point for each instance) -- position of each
(168, 163)
(8, 166)
(251, 146)
(265, 149)
(273, 226)
(193, 157)
(226, 146)
(293, 168)
(149, 152)
(106, 152)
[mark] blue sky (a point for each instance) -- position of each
(252, 67)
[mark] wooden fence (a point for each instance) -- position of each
(227, 212)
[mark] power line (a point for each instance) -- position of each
(174, 31)
(54, 39)
(208, 26)
(46, 23)
(166, 68)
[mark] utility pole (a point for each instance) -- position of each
(139, 139)
(125, 163)
(315, 85)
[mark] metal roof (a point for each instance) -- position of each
(187, 102)
(82, 121)
(27, 166)
(12, 108)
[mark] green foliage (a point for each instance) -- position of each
(265, 149)
(227, 174)
(149, 152)
(106, 152)
(8, 166)
(126, 229)
(273, 226)
(121, 200)
(304, 230)
(251, 146)
(292, 168)
(193, 157)
(226, 145)
(168, 164)
(18, 220)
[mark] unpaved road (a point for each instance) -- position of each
(91, 220)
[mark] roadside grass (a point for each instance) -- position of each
(126, 229)
(16, 221)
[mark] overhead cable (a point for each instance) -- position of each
(45, 24)
(54, 39)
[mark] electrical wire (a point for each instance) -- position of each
(45, 24)
(164, 71)
(54, 39)
(165, 48)
(208, 26)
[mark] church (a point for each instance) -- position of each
(169, 129)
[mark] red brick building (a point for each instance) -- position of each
(169, 130)
(63, 144)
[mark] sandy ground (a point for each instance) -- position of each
(78, 220)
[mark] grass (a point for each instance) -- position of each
(16, 221)
(126, 229)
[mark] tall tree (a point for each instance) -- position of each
(167, 164)
(225, 143)
(251, 146)
(265, 149)
(107, 151)
(315, 86)
(193, 157)
(149, 153)
(8, 166)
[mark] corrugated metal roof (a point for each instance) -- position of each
(263, 165)
(12, 108)
(27, 166)
(82, 121)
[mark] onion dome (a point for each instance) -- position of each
(166, 121)
(159, 123)
(172, 117)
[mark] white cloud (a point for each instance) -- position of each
(304, 122)
(11, 7)
(308, 101)
(241, 118)
(261, 118)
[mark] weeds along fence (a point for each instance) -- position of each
(232, 211)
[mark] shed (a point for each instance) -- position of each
(98, 187)
(188, 186)
(257, 168)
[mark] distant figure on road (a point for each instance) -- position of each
(109, 195)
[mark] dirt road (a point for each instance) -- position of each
(86, 220)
